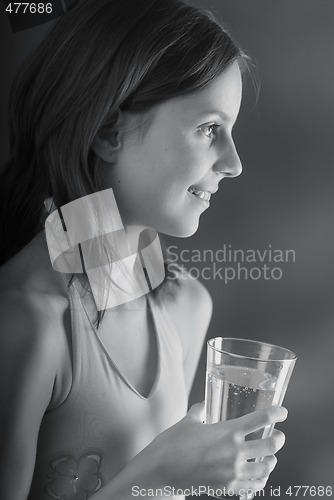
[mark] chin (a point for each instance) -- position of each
(181, 230)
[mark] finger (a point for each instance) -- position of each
(248, 496)
(245, 488)
(263, 447)
(258, 470)
(196, 412)
(258, 419)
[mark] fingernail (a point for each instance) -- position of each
(285, 412)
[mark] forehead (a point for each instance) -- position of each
(222, 96)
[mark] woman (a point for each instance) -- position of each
(137, 97)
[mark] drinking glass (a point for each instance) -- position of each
(243, 376)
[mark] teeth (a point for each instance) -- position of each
(203, 195)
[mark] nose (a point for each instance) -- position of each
(229, 163)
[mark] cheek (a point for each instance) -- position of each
(162, 170)
(183, 167)
(192, 160)
(172, 155)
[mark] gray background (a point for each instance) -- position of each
(283, 198)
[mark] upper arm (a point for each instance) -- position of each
(28, 357)
(192, 311)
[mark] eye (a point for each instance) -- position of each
(210, 130)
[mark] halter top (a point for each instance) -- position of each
(104, 421)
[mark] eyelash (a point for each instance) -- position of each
(213, 126)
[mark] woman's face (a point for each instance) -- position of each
(163, 178)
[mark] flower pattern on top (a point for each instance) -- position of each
(72, 479)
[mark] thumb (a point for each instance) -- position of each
(197, 412)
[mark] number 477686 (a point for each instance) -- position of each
(29, 8)
(312, 491)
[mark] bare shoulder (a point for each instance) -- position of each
(191, 309)
(32, 308)
(192, 297)
(28, 320)
(31, 293)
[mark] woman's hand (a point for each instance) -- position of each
(194, 454)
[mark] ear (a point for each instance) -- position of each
(107, 141)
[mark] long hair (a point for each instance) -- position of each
(101, 56)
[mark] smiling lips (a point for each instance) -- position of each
(203, 195)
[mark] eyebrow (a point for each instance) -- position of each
(221, 114)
